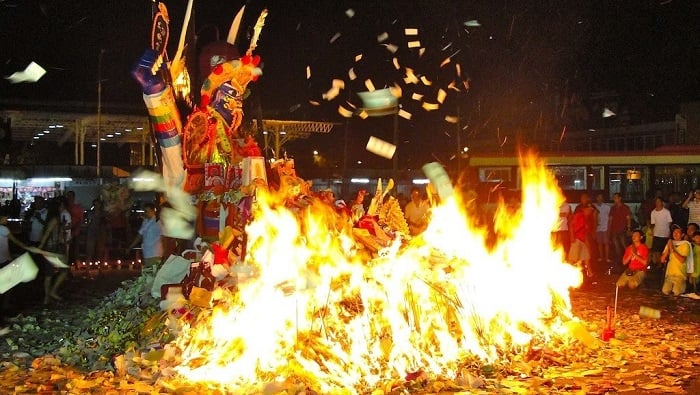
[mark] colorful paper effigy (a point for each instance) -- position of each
(207, 156)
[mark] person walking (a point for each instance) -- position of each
(52, 241)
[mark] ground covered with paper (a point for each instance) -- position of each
(72, 348)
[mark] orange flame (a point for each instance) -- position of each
(322, 312)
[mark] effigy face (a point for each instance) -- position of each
(228, 102)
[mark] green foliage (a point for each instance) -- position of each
(91, 336)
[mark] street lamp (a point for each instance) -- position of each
(99, 111)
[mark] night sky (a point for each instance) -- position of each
(525, 59)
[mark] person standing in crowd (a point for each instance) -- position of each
(561, 235)
(96, 232)
(679, 214)
(77, 216)
(690, 231)
(602, 230)
(149, 236)
(416, 213)
(590, 214)
(579, 253)
(692, 203)
(674, 255)
(51, 241)
(635, 258)
(661, 228)
(358, 206)
(648, 206)
(620, 226)
(5, 258)
(65, 226)
(36, 218)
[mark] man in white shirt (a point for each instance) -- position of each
(661, 229)
(416, 213)
(37, 221)
(692, 203)
(602, 234)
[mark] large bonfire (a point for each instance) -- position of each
(317, 310)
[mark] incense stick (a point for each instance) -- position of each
(612, 325)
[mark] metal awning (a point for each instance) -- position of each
(48, 171)
(64, 127)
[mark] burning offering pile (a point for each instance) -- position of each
(313, 308)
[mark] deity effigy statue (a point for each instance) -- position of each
(208, 155)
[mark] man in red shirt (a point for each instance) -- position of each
(635, 258)
(620, 226)
(579, 252)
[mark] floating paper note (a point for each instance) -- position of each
(458, 68)
(472, 23)
(425, 81)
(380, 147)
(334, 91)
(382, 37)
(344, 112)
(308, 72)
(439, 178)
(410, 77)
(417, 96)
(446, 61)
(414, 44)
(411, 32)
(369, 85)
(314, 103)
(392, 48)
(405, 114)
(379, 102)
(396, 91)
(350, 12)
(351, 74)
(441, 96)
(607, 113)
(32, 73)
(430, 106)
(421, 51)
(358, 57)
(335, 37)
(451, 119)
(21, 270)
(363, 114)
(396, 63)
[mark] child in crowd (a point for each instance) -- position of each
(696, 262)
